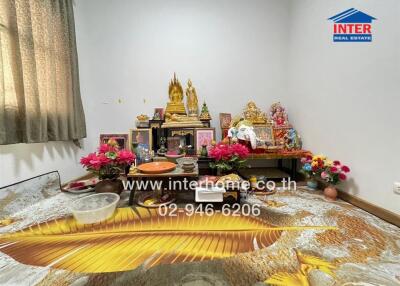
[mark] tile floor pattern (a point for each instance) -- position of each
(363, 250)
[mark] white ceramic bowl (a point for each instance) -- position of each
(94, 208)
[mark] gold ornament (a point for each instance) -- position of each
(175, 104)
(192, 102)
(253, 114)
(176, 120)
(142, 117)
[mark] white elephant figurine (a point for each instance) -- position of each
(244, 132)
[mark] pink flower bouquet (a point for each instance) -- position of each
(228, 157)
(109, 161)
(335, 173)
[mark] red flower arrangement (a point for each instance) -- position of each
(228, 157)
(335, 173)
(109, 161)
(320, 167)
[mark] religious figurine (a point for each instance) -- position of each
(278, 115)
(253, 114)
(192, 102)
(163, 150)
(180, 118)
(175, 104)
(292, 140)
(156, 116)
(204, 115)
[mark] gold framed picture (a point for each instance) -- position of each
(265, 134)
(141, 137)
(122, 139)
(225, 120)
(203, 136)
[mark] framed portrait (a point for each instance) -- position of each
(224, 132)
(266, 134)
(279, 135)
(122, 139)
(225, 120)
(203, 136)
(158, 113)
(141, 137)
(173, 143)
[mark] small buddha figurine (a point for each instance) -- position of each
(175, 104)
(278, 115)
(192, 102)
(205, 115)
(253, 114)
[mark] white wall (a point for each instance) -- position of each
(22, 161)
(128, 51)
(345, 97)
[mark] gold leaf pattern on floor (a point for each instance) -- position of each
(274, 204)
(7, 221)
(300, 277)
(132, 238)
(362, 240)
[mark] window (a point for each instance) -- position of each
(39, 82)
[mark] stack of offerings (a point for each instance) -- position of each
(208, 191)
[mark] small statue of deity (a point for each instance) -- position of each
(253, 114)
(205, 114)
(292, 140)
(278, 115)
(175, 104)
(192, 102)
(180, 118)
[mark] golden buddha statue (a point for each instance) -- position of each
(253, 114)
(175, 104)
(178, 120)
(192, 102)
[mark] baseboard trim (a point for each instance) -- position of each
(382, 213)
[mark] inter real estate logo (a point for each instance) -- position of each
(352, 26)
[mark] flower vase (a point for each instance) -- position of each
(203, 152)
(312, 184)
(223, 172)
(330, 193)
(109, 186)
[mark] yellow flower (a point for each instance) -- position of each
(328, 163)
(320, 156)
(314, 163)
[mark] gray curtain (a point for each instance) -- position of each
(39, 81)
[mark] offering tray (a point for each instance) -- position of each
(156, 167)
(150, 200)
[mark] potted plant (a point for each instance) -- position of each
(333, 174)
(312, 166)
(228, 157)
(108, 163)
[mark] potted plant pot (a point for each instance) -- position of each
(330, 193)
(113, 185)
(312, 184)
